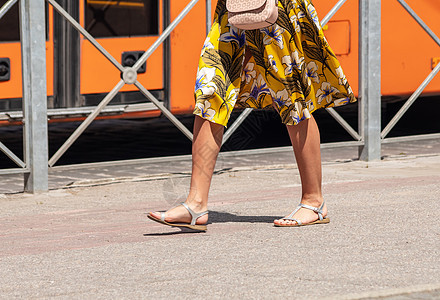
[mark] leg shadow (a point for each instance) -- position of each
(224, 217)
(219, 217)
(181, 231)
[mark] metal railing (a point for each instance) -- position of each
(22, 164)
(424, 84)
(129, 76)
(368, 139)
(32, 19)
(33, 52)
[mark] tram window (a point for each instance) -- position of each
(117, 18)
(10, 24)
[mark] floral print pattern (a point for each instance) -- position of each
(326, 92)
(206, 45)
(273, 34)
(204, 81)
(292, 68)
(248, 73)
(234, 35)
(205, 111)
(292, 61)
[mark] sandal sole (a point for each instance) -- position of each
(193, 227)
(324, 221)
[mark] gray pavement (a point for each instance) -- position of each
(92, 240)
(152, 168)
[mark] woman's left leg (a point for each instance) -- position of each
(306, 145)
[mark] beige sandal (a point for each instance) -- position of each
(298, 223)
(192, 225)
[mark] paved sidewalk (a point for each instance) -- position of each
(95, 242)
(142, 169)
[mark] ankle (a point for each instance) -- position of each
(315, 200)
(197, 204)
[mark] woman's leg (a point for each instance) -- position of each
(206, 146)
(306, 145)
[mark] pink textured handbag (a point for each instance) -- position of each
(252, 14)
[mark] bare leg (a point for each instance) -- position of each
(206, 146)
(306, 145)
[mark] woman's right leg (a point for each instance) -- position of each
(206, 146)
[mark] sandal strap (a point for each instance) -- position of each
(289, 217)
(315, 209)
(194, 215)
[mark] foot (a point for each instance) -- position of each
(304, 215)
(180, 214)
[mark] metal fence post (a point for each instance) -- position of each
(33, 52)
(369, 80)
(208, 16)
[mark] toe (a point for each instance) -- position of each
(284, 222)
(155, 214)
(278, 221)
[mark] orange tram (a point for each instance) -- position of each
(78, 76)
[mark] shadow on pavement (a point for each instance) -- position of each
(224, 217)
(220, 217)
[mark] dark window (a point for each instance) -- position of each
(10, 24)
(114, 18)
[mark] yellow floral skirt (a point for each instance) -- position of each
(292, 67)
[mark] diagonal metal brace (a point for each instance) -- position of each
(85, 123)
(236, 123)
(3, 10)
(87, 35)
(409, 102)
(420, 21)
(165, 111)
(344, 123)
(164, 35)
(332, 12)
(330, 110)
(121, 83)
(6, 7)
(11, 155)
(427, 80)
(147, 54)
